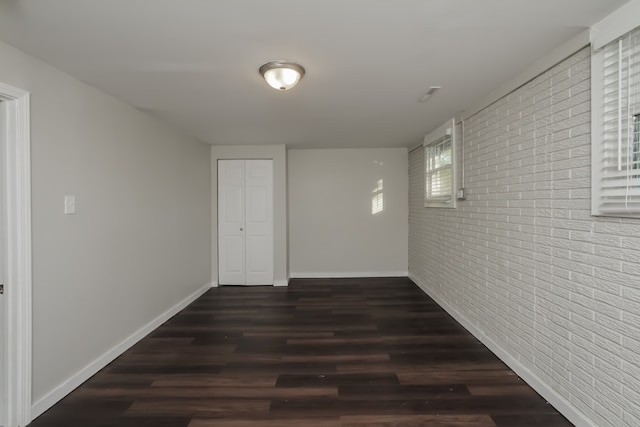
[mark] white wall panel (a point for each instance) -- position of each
(348, 212)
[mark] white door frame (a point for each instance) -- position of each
(255, 234)
(17, 140)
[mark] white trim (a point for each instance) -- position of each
(616, 24)
(597, 117)
(92, 368)
(552, 396)
(447, 128)
(18, 269)
(328, 275)
(556, 56)
(281, 282)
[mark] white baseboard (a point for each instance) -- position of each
(275, 283)
(552, 396)
(329, 275)
(88, 371)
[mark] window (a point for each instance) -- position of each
(616, 126)
(439, 159)
(377, 200)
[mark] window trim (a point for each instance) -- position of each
(433, 138)
(615, 25)
(603, 35)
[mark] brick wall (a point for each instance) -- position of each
(522, 263)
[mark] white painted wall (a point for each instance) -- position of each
(280, 243)
(333, 232)
(522, 263)
(139, 242)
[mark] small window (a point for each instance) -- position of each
(616, 127)
(439, 159)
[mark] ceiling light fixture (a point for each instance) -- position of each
(282, 75)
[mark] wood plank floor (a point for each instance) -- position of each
(326, 353)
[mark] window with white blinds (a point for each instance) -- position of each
(616, 132)
(439, 162)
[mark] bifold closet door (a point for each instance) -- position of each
(245, 222)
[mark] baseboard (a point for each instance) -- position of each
(88, 371)
(553, 397)
(328, 275)
(281, 282)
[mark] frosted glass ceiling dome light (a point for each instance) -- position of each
(282, 75)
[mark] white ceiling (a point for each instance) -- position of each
(195, 63)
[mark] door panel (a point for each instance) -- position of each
(258, 262)
(231, 201)
(259, 222)
(234, 205)
(257, 205)
(233, 245)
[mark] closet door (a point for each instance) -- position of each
(259, 222)
(231, 247)
(245, 222)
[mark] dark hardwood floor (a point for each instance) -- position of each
(325, 353)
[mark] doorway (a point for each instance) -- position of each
(245, 222)
(15, 223)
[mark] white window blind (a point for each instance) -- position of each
(618, 157)
(439, 167)
(439, 170)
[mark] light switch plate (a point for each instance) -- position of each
(69, 205)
